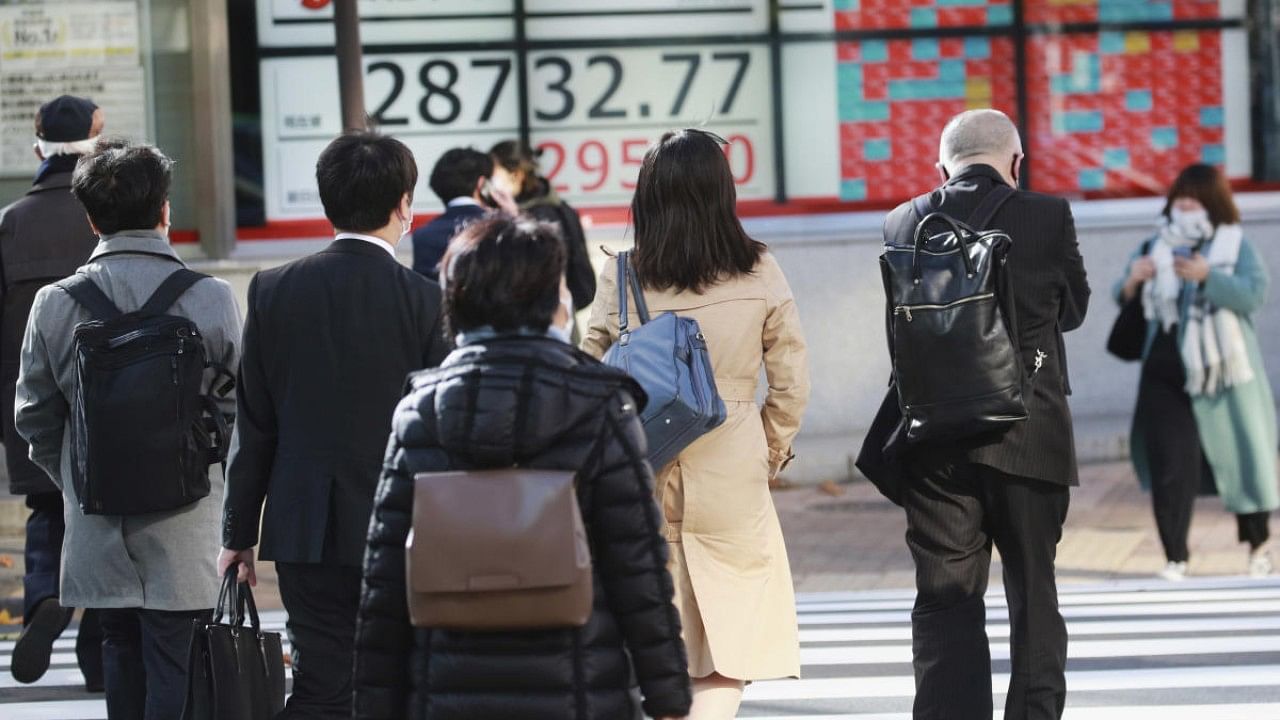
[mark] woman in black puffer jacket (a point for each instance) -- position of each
(514, 394)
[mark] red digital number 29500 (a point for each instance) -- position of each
(596, 162)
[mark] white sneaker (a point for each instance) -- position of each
(1260, 564)
(1174, 571)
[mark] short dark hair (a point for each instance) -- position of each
(457, 171)
(504, 272)
(123, 185)
(685, 214)
(1209, 185)
(362, 177)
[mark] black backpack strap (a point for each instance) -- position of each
(88, 294)
(990, 205)
(922, 206)
(170, 290)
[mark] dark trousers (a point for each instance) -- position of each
(955, 512)
(1253, 528)
(1173, 445)
(1179, 471)
(43, 555)
(322, 602)
(145, 655)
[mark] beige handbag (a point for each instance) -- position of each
(497, 550)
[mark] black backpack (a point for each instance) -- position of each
(143, 433)
(952, 327)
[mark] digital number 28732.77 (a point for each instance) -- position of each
(556, 98)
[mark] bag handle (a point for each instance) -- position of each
(228, 588)
(232, 600)
(958, 229)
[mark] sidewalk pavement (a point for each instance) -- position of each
(853, 539)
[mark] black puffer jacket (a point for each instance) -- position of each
(535, 402)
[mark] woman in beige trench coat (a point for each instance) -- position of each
(728, 560)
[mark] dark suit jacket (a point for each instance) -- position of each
(1050, 294)
(328, 343)
(431, 240)
(44, 237)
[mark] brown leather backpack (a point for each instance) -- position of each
(497, 550)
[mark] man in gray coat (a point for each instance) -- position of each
(153, 574)
(44, 237)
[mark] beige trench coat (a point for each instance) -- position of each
(728, 558)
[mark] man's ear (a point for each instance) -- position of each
(165, 214)
(39, 155)
(406, 208)
(92, 227)
(942, 171)
(1016, 170)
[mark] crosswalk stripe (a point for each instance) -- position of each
(1088, 680)
(1140, 650)
(1245, 711)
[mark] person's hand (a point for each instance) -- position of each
(1194, 268)
(247, 573)
(505, 202)
(1142, 270)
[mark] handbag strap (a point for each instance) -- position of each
(642, 306)
(627, 279)
(623, 311)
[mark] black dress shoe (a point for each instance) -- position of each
(34, 646)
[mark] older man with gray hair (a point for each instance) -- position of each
(1008, 489)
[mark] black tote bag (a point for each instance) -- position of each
(1129, 333)
(234, 672)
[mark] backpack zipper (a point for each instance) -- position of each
(905, 310)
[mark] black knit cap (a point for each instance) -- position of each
(66, 118)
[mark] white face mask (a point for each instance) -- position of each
(1191, 224)
(77, 147)
(564, 333)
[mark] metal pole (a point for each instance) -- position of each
(346, 26)
(213, 168)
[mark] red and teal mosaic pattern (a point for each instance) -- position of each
(1109, 112)
(1117, 11)
(896, 95)
(1123, 112)
(921, 14)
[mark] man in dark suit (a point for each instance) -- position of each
(44, 237)
(328, 342)
(460, 179)
(1010, 489)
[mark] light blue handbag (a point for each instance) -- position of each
(668, 357)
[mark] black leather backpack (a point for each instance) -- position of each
(952, 325)
(143, 433)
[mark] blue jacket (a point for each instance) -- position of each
(431, 240)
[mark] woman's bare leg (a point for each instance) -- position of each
(716, 697)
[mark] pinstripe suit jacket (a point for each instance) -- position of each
(1051, 295)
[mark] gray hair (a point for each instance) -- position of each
(977, 134)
